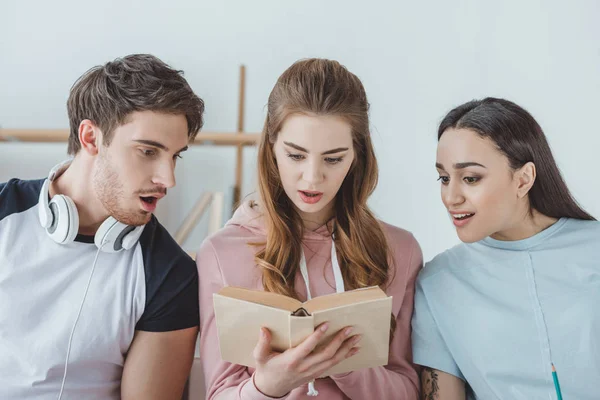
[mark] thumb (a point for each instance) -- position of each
(262, 350)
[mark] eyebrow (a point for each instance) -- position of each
(158, 145)
(461, 165)
(332, 151)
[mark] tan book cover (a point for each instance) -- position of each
(240, 313)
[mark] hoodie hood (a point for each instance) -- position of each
(249, 216)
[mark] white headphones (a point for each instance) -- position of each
(60, 218)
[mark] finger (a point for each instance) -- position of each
(308, 345)
(328, 351)
(262, 350)
(348, 349)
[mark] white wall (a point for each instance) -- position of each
(416, 60)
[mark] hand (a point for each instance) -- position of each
(279, 373)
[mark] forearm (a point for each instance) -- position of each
(438, 385)
(245, 389)
(158, 364)
(378, 383)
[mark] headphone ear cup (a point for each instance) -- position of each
(65, 221)
(44, 211)
(105, 235)
(131, 238)
(113, 236)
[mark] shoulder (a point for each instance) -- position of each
(575, 239)
(405, 257)
(228, 255)
(229, 235)
(401, 243)
(399, 239)
(460, 256)
(171, 281)
(245, 229)
(18, 195)
(583, 228)
(161, 250)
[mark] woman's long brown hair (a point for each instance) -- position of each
(321, 87)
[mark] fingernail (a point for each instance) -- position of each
(348, 331)
(353, 351)
(356, 338)
(324, 327)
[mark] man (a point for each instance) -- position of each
(97, 301)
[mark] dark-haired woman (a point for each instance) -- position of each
(514, 311)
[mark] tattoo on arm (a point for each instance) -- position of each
(429, 383)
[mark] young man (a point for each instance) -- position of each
(97, 301)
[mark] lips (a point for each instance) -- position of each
(148, 203)
(149, 200)
(461, 218)
(310, 196)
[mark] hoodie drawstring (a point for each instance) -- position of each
(339, 288)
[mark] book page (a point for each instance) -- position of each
(371, 319)
(341, 299)
(238, 326)
(261, 297)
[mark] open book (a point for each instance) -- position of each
(240, 313)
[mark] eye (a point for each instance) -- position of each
(148, 152)
(176, 156)
(296, 157)
(471, 179)
(444, 179)
(332, 160)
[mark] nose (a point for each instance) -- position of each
(452, 194)
(313, 172)
(165, 175)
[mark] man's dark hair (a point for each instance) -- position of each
(109, 93)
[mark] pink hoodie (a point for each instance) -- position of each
(226, 259)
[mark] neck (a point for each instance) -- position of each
(76, 183)
(313, 221)
(526, 227)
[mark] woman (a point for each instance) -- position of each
(316, 170)
(515, 307)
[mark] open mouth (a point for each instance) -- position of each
(310, 197)
(148, 203)
(309, 194)
(149, 200)
(462, 217)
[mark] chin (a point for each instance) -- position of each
(469, 237)
(308, 208)
(132, 218)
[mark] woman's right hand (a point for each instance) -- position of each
(279, 373)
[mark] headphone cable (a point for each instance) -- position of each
(62, 386)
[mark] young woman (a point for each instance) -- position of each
(512, 313)
(310, 234)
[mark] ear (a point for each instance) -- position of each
(525, 178)
(89, 136)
